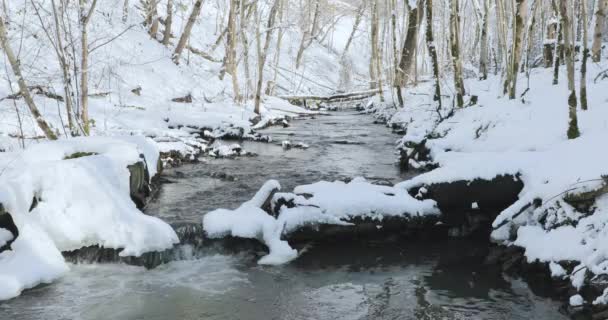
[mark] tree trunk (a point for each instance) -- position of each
(455, 50)
(430, 42)
(244, 19)
(408, 52)
(14, 62)
(125, 10)
(557, 53)
(516, 51)
(277, 54)
(231, 63)
(183, 39)
(168, 23)
(85, 18)
(360, 12)
(264, 54)
(583, 88)
(550, 43)
(573, 131)
(153, 14)
(600, 22)
(374, 33)
(308, 35)
(483, 49)
(65, 71)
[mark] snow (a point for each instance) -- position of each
(361, 198)
(334, 203)
(576, 300)
(66, 218)
(250, 221)
(5, 237)
(557, 271)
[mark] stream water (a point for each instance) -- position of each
(372, 280)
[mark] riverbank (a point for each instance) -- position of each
(559, 219)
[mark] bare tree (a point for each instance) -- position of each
(358, 18)
(310, 33)
(262, 54)
(168, 23)
(183, 39)
(24, 90)
(85, 17)
(230, 59)
(455, 50)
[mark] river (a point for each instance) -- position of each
(341, 280)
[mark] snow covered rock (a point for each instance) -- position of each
(250, 221)
(336, 204)
(82, 198)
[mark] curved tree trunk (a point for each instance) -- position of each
(264, 54)
(14, 62)
(183, 39)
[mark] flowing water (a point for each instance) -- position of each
(349, 280)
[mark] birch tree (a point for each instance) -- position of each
(583, 86)
(432, 49)
(455, 50)
(521, 10)
(600, 22)
(24, 90)
(566, 21)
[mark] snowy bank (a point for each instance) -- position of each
(70, 194)
(559, 216)
(323, 203)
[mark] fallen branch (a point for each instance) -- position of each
(333, 98)
(203, 54)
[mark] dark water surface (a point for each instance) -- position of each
(346, 280)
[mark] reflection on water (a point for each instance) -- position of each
(348, 280)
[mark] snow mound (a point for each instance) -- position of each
(81, 193)
(334, 203)
(250, 221)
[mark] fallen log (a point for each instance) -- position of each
(351, 96)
